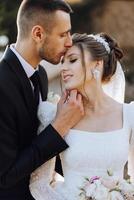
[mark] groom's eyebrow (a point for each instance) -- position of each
(68, 31)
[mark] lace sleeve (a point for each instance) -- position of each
(46, 114)
(40, 183)
(130, 116)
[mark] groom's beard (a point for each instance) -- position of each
(46, 52)
(44, 56)
(42, 53)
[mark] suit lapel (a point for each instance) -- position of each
(16, 66)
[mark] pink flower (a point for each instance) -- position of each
(94, 178)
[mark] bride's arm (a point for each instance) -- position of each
(42, 178)
(41, 183)
(130, 118)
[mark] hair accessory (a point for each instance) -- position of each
(100, 39)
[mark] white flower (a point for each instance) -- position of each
(90, 190)
(124, 185)
(114, 195)
(97, 191)
(109, 183)
(101, 191)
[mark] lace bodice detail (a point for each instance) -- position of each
(89, 154)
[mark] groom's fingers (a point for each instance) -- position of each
(73, 96)
(75, 99)
(69, 112)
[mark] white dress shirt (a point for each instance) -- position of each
(26, 66)
(29, 70)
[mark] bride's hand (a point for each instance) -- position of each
(69, 111)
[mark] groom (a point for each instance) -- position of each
(43, 33)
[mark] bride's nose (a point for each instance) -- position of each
(64, 67)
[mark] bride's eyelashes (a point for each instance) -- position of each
(73, 60)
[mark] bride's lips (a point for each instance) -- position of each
(66, 77)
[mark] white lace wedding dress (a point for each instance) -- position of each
(89, 154)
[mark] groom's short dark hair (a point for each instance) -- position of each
(32, 12)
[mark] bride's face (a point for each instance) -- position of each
(72, 72)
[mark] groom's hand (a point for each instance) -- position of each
(69, 112)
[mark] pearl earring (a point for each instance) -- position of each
(96, 74)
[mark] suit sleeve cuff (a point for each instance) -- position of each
(49, 143)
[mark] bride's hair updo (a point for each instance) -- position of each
(101, 47)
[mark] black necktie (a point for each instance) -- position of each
(35, 80)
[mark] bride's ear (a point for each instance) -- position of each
(99, 65)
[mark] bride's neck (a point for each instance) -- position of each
(94, 98)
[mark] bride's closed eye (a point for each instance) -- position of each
(73, 60)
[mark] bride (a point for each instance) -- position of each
(104, 138)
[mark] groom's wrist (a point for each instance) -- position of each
(60, 128)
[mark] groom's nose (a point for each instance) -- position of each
(68, 42)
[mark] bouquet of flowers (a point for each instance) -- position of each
(98, 188)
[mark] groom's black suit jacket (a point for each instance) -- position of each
(21, 150)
